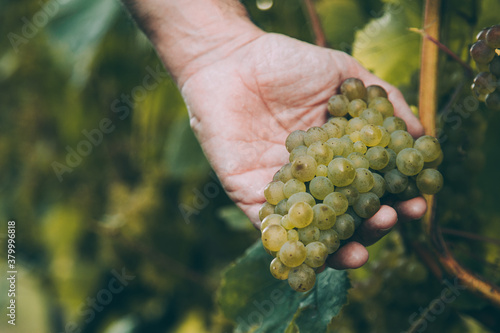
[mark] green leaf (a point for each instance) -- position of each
(386, 46)
(257, 302)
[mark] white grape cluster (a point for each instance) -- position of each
(336, 176)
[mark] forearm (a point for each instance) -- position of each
(191, 34)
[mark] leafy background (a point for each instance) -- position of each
(119, 208)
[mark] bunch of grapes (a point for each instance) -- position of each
(336, 177)
(486, 54)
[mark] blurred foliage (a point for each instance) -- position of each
(119, 207)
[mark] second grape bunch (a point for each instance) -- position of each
(336, 177)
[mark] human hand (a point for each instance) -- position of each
(244, 104)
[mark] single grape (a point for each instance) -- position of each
(320, 187)
(294, 139)
(482, 34)
(357, 219)
(285, 173)
(481, 52)
(308, 234)
(430, 181)
(375, 91)
(286, 223)
(274, 192)
(341, 171)
(372, 116)
(358, 160)
(355, 107)
(265, 210)
(350, 192)
(382, 105)
(337, 105)
(434, 164)
(322, 170)
(293, 186)
(336, 145)
(378, 157)
(296, 152)
(302, 278)
(493, 100)
(292, 253)
(410, 161)
(341, 122)
(316, 254)
(293, 235)
(392, 161)
(321, 152)
(379, 185)
(300, 214)
(344, 226)
(429, 147)
(353, 88)
(279, 270)
(300, 197)
(355, 137)
(396, 181)
(411, 191)
(477, 92)
(367, 205)
(360, 147)
(272, 218)
(355, 124)
(281, 207)
(331, 240)
(364, 180)
(393, 124)
(386, 137)
(400, 140)
(494, 66)
(333, 130)
(337, 201)
(371, 135)
(485, 83)
(493, 37)
(314, 134)
(304, 168)
(324, 216)
(274, 236)
(348, 145)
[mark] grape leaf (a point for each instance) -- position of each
(257, 302)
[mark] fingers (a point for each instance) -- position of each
(377, 226)
(412, 209)
(351, 255)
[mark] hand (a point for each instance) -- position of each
(243, 106)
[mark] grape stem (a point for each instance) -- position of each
(314, 21)
(427, 106)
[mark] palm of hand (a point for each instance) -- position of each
(243, 107)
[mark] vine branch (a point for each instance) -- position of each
(314, 21)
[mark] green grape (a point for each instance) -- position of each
(302, 278)
(300, 197)
(272, 218)
(355, 137)
(320, 187)
(317, 253)
(358, 160)
(341, 171)
(286, 223)
(355, 124)
(367, 205)
(292, 253)
(348, 145)
(331, 240)
(411, 191)
(337, 105)
(382, 105)
(300, 214)
(350, 192)
(279, 270)
(400, 140)
(493, 37)
(372, 116)
(293, 186)
(378, 157)
(396, 181)
(321, 152)
(410, 161)
(481, 52)
(273, 237)
(337, 201)
(341, 122)
(476, 92)
(304, 168)
(429, 147)
(324, 216)
(379, 185)
(371, 135)
(392, 161)
(281, 207)
(364, 180)
(285, 173)
(293, 234)
(314, 134)
(485, 83)
(375, 91)
(386, 137)
(430, 181)
(321, 171)
(296, 152)
(494, 66)
(355, 107)
(336, 145)
(295, 139)
(333, 130)
(393, 124)
(493, 100)
(360, 147)
(353, 88)
(434, 164)
(265, 210)
(357, 219)
(344, 226)
(308, 234)
(274, 192)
